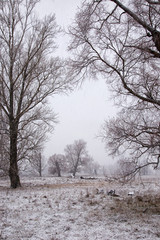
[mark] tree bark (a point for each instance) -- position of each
(13, 170)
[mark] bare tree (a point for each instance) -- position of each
(28, 74)
(90, 167)
(57, 164)
(37, 163)
(120, 40)
(76, 155)
(135, 134)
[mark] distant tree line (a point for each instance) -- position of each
(76, 159)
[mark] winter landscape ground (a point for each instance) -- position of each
(77, 209)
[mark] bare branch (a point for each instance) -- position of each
(153, 2)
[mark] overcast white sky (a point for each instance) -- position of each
(82, 113)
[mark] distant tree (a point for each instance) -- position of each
(120, 41)
(57, 164)
(76, 155)
(95, 168)
(91, 167)
(33, 166)
(125, 169)
(28, 75)
(37, 163)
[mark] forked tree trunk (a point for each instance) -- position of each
(13, 169)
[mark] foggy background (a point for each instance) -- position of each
(81, 113)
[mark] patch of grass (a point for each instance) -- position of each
(147, 204)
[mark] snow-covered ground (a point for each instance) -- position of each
(78, 209)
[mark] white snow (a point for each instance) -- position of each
(78, 209)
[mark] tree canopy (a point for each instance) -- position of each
(120, 41)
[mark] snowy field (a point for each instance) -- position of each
(78, 209)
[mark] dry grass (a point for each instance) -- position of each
(58, 209)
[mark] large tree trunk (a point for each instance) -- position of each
(13, 170)
(14, 176)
